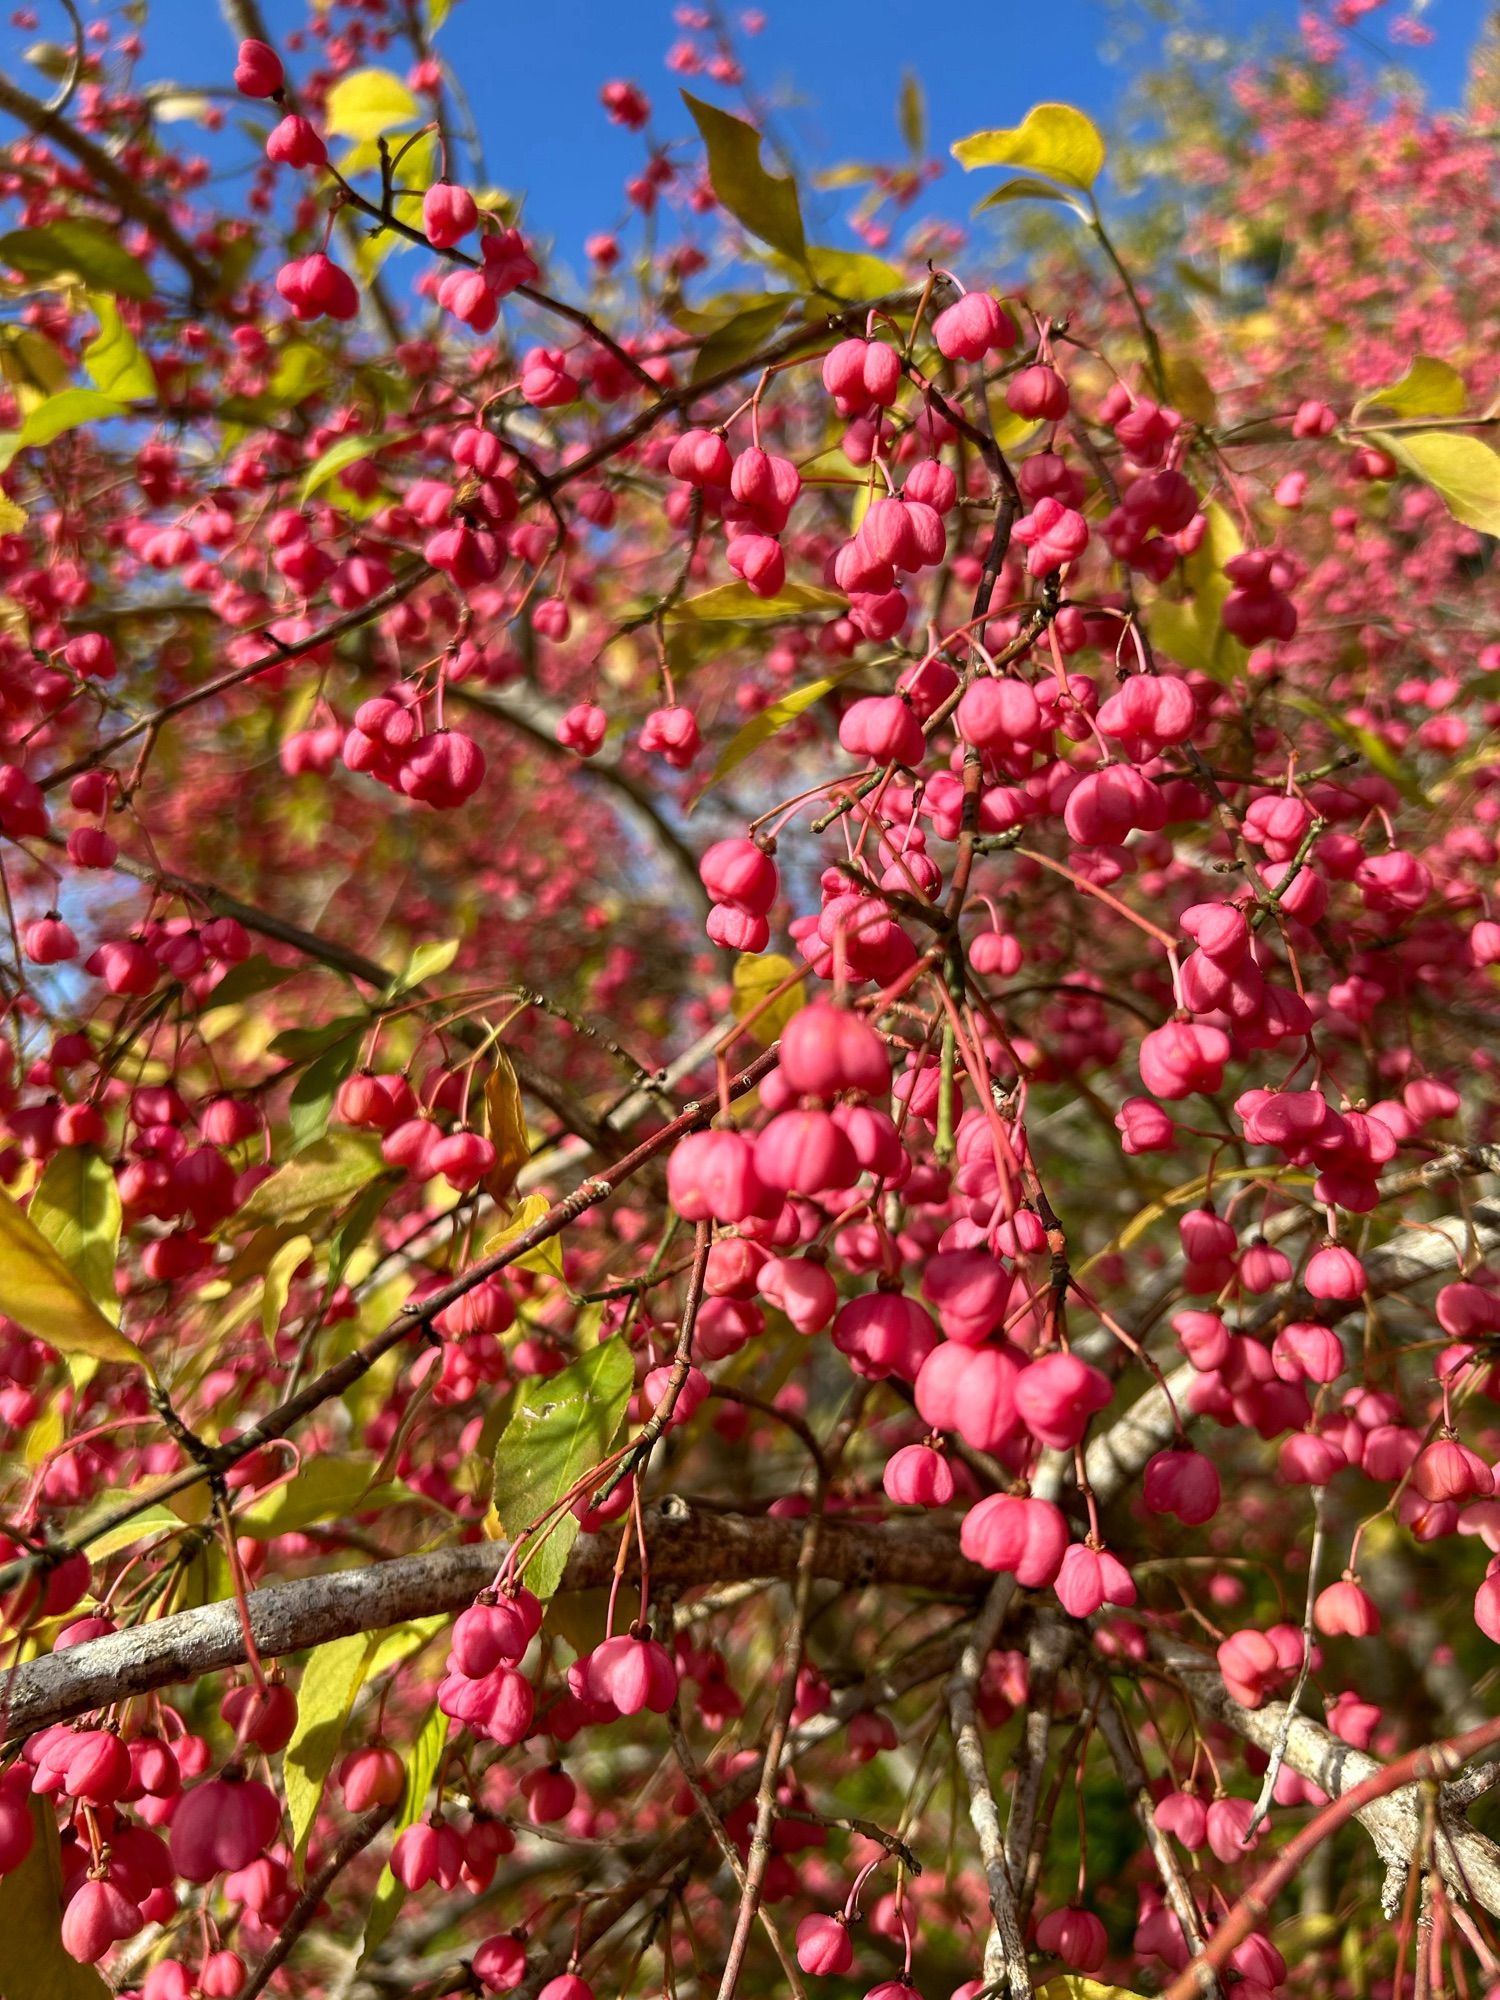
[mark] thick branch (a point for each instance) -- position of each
(687, 1546)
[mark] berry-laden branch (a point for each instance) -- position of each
(912, 700)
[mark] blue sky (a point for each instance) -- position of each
(832, 69)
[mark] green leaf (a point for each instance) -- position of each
(301, 369)
(911, 114)
(325, 1489)
(1052, 139)
(250, 977)
(33, 1964)
(76, 1206)
(437, 12)
(298, 1044)
(311, 1102)
(426, 962)
(1429, 388)
(65, 411)
(77, 250)
(737, 338)
(562, 1426)
(112, 361)
(346, 451)
(770, 722)
(421, 1763)
(737, 604)
(1029, 190)
(547, 1256)
(765, 203)
(280, 1272)
(368, 102)
(330, 1683)
(359, 1219)
(1463, 472)
(329, 1170)
(42, 1295)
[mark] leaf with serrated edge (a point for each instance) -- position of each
(562, 1426)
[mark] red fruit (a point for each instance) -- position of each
(671, 733)
(826, 1050)
(1344, 1609)
(371, 1777)
(97, 1769)
(448, 214)
(17, 1831)
(917, 1476)
(1026, 1537)
(1184, 1483)
(631, 1674)
(1076, 1937)
(500, 1963)
(296, 143)
(1334, 1273)
(824, 1946)
(1057, 1395)
(737, 871)
(583, 729)
(1038, 392)
(265, 1716)
(804, 1152)
(222, 1825)
(1091, 1578)
(714, 1175)
(882, 727)
(97, 1916)
(257, 70)
(972, 327)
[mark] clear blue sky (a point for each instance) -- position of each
(832, 67)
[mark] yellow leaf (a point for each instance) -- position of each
(1429, 388)
(43, 1437)
(1190, 390)
(112, 360)
(757, 974)
(12, 517)
(770, 722)
(505, 1123)
(1052, 139)
(1464, 474)
(280, 1272)
(547, 1256)
(1073, 1986)
(367, 102)
(41, 1294)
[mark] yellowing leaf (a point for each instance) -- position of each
(326, 1171)
(1429, 388)
(736, 603)
(757, 975)
(1074, 1986)
(505, 1124)
(852, 274)
(367, 102)
(770, 722)
(1053, 139)
(765, 203)
(1463, 472)
(330, 1682)
(12, 517)
(1029, 190)
(1190, 389)
(42, 1295)
(113, 362)
(325, 1489)
(547, 1256)
(426, 962)
(421, 1763)
(280, 1272)
(76, 1206)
